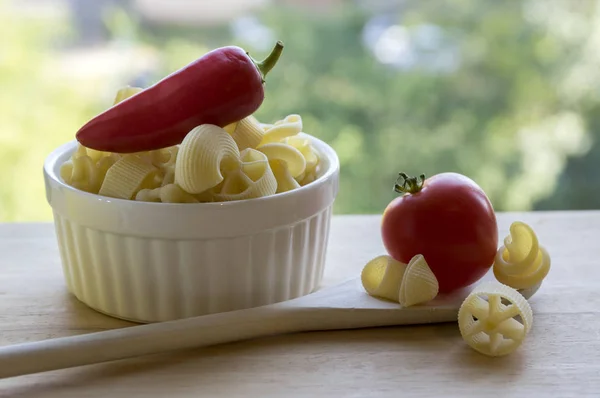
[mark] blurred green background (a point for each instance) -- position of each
(504, 92)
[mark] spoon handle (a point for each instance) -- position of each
(128, 342)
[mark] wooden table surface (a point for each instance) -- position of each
(560, 357)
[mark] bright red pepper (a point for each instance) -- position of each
(221, 87)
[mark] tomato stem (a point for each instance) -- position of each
(409, 184)
(268, 63)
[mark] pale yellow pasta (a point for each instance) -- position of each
(84, 172)
(246, 133)
(204, 155)
(266, 126)
(230, 128)
(148, 195)
(127, 176)
(92, 153)
(306, 149)
(291, 125)
(208, 196)
(102, 166)
(382, 276)
(168, 177)
(253, 179)
(125, 93)
(419, 285)
(285, 180)
(165, 159)
(98, 155)
(494, 319)
(66, 171)
(407, 284)
(245, 159)
(521, 262)
(307, 178)
(171, 193)
(291, 156)
(80, 151)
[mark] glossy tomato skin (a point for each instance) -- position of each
(451, 222)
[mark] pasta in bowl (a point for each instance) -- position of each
(184, 231)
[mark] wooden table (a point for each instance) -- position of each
(561, 356)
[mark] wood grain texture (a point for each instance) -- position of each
(561, 356)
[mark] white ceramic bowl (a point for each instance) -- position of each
(149, 262)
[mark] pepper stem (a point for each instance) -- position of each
(268, 63)
(406, 184)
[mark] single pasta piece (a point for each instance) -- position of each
(168, 177)
(285, 181)
(80, 151)
(127, 176)
(171, 193)
(82, 173)
(521, 262)
(382, 276)
(125, 93)
(102, 167)
(165, 159)
(307, 178)
(235, 186)
(291, 125)
(419, 285)
(247, 133)
(148, 195)
(66, 171)
(204, 155)
(291, 156)
(306, 149)
(96, 156)
(253, 179)
(266, 126)
(230, 128)
(494, 319)
(208, 196)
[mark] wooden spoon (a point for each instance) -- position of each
(343, 306)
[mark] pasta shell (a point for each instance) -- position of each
(382, 276)
(285, 181)
(247, 133)
(291, 156)
(306, 149)
(419, 284)
(204, 154)
(291, 125)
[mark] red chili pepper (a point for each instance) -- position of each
(221, 87)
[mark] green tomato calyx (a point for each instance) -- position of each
(406, 184)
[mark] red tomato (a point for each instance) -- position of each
(449, 220)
